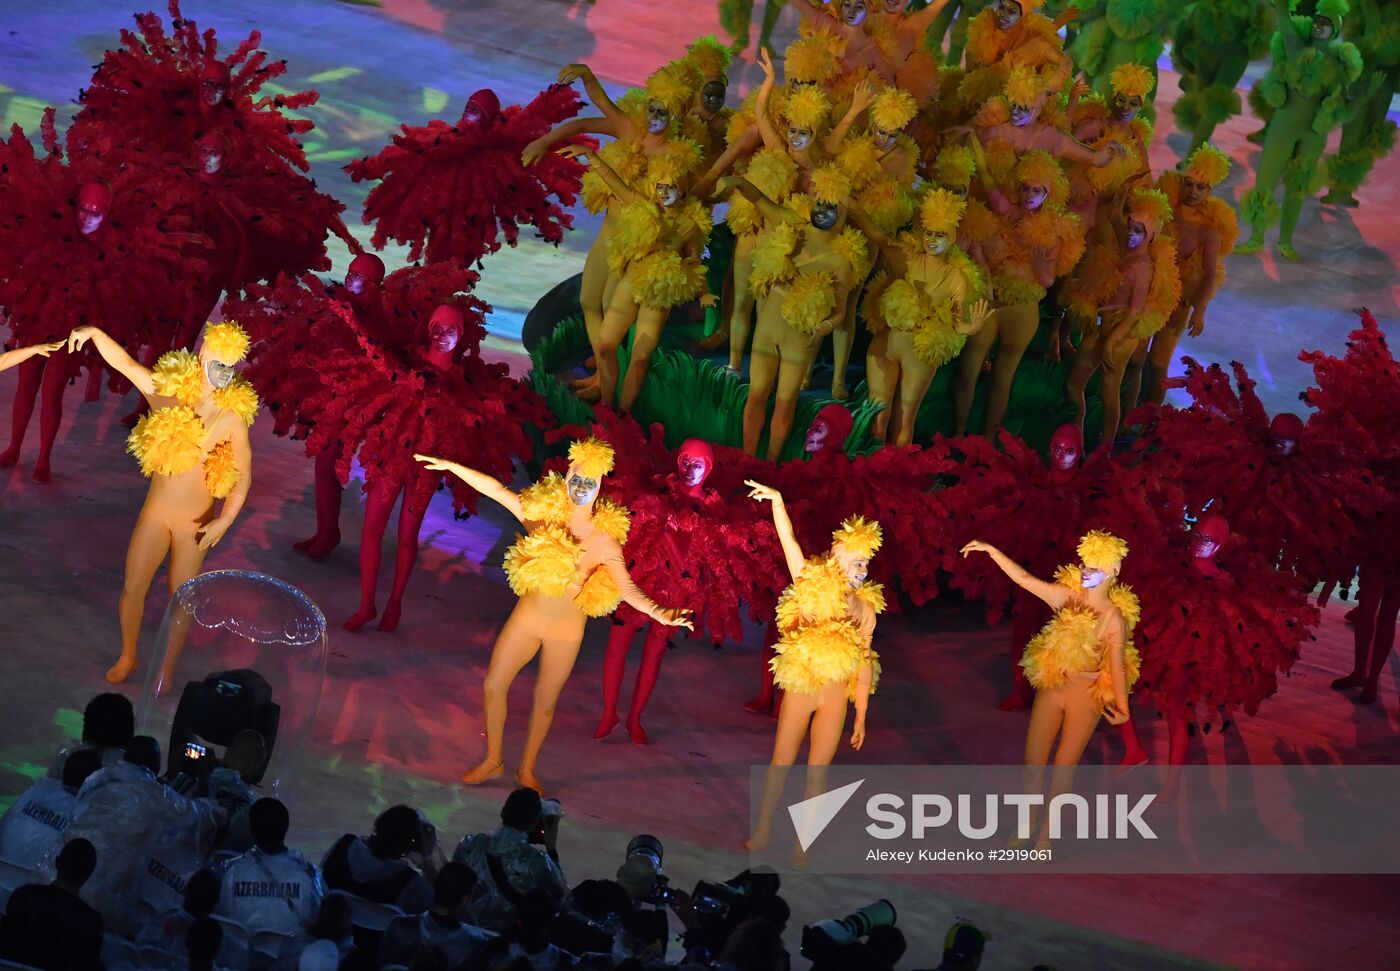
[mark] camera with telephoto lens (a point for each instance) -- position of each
(549, 809)
(831, 943)
(662, 893)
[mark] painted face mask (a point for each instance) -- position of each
(1008, 14)
(1034, 196)
(895, 6)
(1065, 448)
(936, 244)
(93, 201)
(220, 375)
(445, 328)
(816, 436)
(213, 83)
(365, 271)
(799, 139)
(582, 490)
(857, 570)
(1023, 115)
(884, 138)
(1089, 577)
(694, 462)
(824, 215)
(482, 109)
(213, 150)
(1137, 234)
(1322, 29)
(1126, 109)
(1209, 536)
(853, 12)
(1193, 193)
(658, 118)
(1284, 433)
(667, 195)
(712, 96)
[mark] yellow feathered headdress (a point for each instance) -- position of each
(1025, 87)
(675, 163)
(892, 109)
(226, 341)
(955, 165)
(673, 87)
(1208, 164)
(812, 59)
(1152, 208)
(591, 458)
(858, 536)
(807, 107)
(709, 58)
(1102, 551)
(1040, 168)
(830, 184)
(1132, 81)
(940, 211)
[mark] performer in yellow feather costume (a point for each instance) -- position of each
(193, 446)
(566, 568)
(823, 658)
(1082, 663)
(921, 312)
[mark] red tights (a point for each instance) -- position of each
(51, 375)
(1373, 630)
(768, 700)
(328, 495)
(624, 629)
(377, 510)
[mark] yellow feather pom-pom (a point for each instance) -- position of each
(178, 375)
(1208, 164)
(1127, 603)
(591, 458)
(852, 246)
(672, 86)
(675, 163)
(220, 471)
(773, 172)
(872, 595)
(636, 234)
(1040, 168)
(813, 58)
(892, 109)
(613, 519)
(239, 398)
(858, 536)
(819, 593)
(887, 204)
(542, 561)
(807, 107)
(955, 166)
(599, 595)
(167, 441)
(665, 279)
(902, 306)
(940, 211)
(1132, 80)
(1067, 644)
(1024, 86)
(1099, 550)
(226, 341)
(860, 160)
(709, 58)
(810, 301)
(546, 501)
(772, 259)
(936, 345)
(830, 184)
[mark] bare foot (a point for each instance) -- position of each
(757, 842)
(42, 473)
(636, 733)
(483, 772)
(119, 672)
(526, 778)
(393, 610)
(361, 617)
(318, 547)
(605, 726)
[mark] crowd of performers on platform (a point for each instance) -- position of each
(937, 205)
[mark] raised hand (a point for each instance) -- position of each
(761, 492)
(766, 63)
(977, 546)
(575, 151)
(436, 464)
(78, 339)
(575, 72)
(675, 618)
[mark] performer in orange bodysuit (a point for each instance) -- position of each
(823, 658)
(1083, 662)
(1007, 34)
(566, 568)
(193, 445)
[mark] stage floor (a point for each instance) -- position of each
(399, 719)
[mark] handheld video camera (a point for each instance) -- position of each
(662, 892)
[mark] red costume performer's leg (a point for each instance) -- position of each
(93, 389)
(624, 627)
(1363, 619)
(328, 495)
(1382, 636)
(1028, 615)
(411, 515)
(31, 375)
(51, 411)
(653, 651)
(763, 704)
(1178, 734)
(378, 506)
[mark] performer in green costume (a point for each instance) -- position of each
(1120, 32)
(1374, 27)
(1213, 44)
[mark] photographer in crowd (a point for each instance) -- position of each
(517, 857)
(396, 864)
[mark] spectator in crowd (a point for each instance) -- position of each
(395, 865)
(32, 828)
(109, 722)
(444, 927)
(49, 926)
(202, 943)
(527, 937)
(644, 929)
(324, 944)
(167, 934)
(507, 862)
(882, 949)
(270, 888)
(756, 945)
(591, 917)
(132, 819)
(962, 948)
(231, 787)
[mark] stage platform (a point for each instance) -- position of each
(400, 716)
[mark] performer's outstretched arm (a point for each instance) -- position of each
(19, 355)
(594, 89)
(616, 566)
(115, 355)
(480, 481)
(792, 551)
(1052, 593)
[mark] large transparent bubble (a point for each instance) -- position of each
(237, 651)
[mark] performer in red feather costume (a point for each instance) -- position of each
(1358, 399)
(85, 244)
(1288, 488)
(450, 192)
(434, 395)
(163, 93)
(695, 539)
